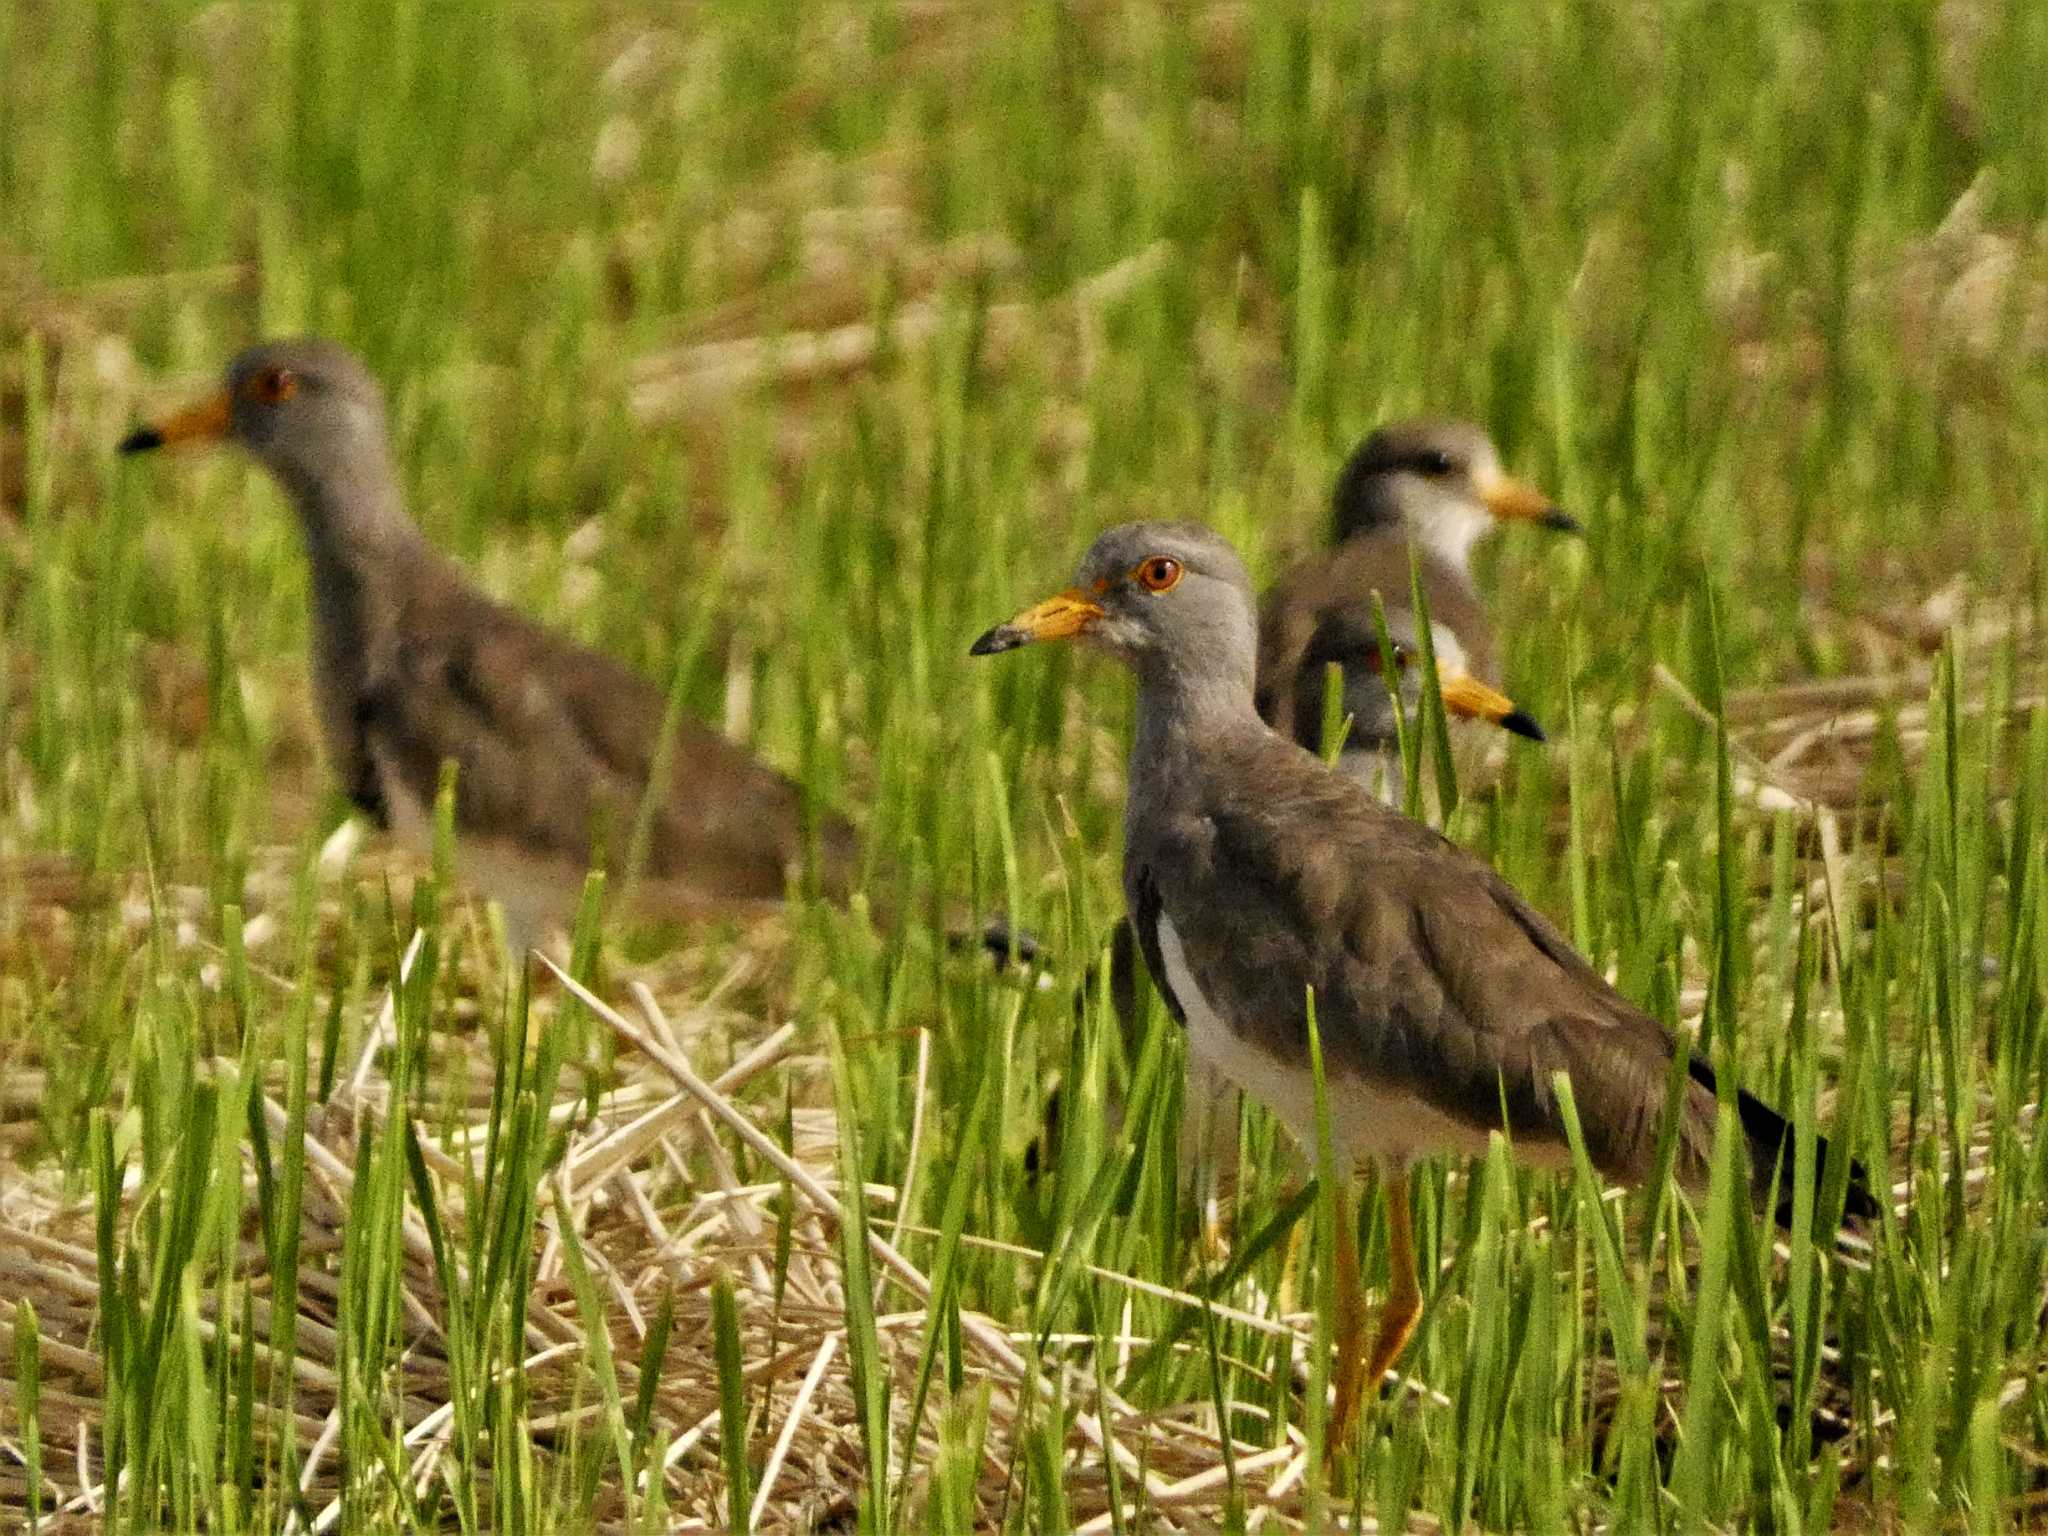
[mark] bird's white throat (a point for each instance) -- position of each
(1451, 532)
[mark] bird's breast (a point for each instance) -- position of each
(1283, 1087)
(1372, 1118)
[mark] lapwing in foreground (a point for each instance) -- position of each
(1439, 484)
(1256, 875)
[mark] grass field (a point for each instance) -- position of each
(779, 349)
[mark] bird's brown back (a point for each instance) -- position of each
(1431, 975)
(555, 747)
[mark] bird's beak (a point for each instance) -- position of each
(205, 422)
(1062, 615)
(1514, 501)
(1465, 695)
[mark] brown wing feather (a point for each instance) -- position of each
(1430, 973)
(723, 805)
(554, 746)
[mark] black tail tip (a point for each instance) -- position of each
(1861, 1203)
(1858, 1203)
(141, 440)
(1523, 724)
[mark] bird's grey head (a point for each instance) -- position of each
(296, 404)
(1349, 640)
(1172, 599)
(1440, 478)
(308, 410)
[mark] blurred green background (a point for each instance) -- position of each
(791, 345)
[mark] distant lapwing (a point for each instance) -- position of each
(1347, 637)
(1256, 875)
(554, 743)
(1437, 483)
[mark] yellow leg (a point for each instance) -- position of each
(1404, 1296)
(1349, 1326)
(1356, 1376)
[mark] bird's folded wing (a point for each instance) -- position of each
(1430, 974)
(553, 748)
(722, 808)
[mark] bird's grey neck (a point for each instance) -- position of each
(361, 546)
(350, 510)
(1182, 709)
(357, 535)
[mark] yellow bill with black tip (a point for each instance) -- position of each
(202, 423)
(1517, 501)
(1464, 695)
(1059, 617)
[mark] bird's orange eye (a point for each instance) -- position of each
(273, 386)
(1161, 573)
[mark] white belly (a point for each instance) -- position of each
(1377, 1122)
(535, 893)
(539, 893)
